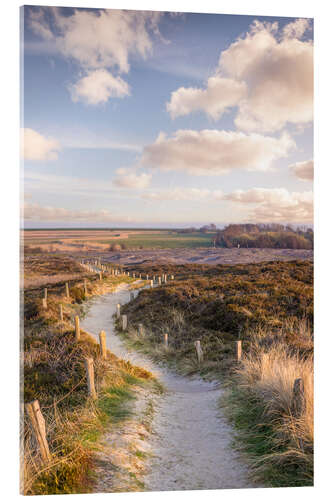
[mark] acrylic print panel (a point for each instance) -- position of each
(168, 251)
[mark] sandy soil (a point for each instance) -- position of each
(190, 442)
(211, 256)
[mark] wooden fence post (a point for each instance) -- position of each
(238, 350)
(67, 290)
(61, 313)
(166, 341)
(151, 284)
(102, 344)
(77, 328)
(38, 425)
(141, 330)
(44, 302)
(124, 322)
(298, 400)
(85, 287)
(147, 277)
(118, 310)
(159, 280)
(199, 351)
(90, 377)
(100, 276)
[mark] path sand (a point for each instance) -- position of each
(191, 440)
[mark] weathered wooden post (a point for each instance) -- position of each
(159, 280)
(118, 310)
(133, 275)
(102, 344)
(38, 425)
(298, 399)
(77, 328)
(100, 276)
(147, 277)
(85, 287)
(199, 351)
(67, 290)
(45, 293)
(238, 350)
(61, 313)
(90, 377)
(44, 302)
(124, 322)
(141, 330)
(165, 278)
(151, 284)
(166, 341)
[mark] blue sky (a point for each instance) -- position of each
(99, 87)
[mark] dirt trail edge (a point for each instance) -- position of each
(190, 444)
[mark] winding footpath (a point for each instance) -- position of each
(190, 440)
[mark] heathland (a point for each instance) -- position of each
(267, 305)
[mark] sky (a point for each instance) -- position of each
(152, 119)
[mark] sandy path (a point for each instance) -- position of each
(190, 440)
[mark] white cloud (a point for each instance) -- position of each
(98, 86)
(98, 40)
(215, 152)
(35, 211)
(126, 178)
(179, 194)
(275, 205)
(220, 94)
(297, 28)
(269, 77)
(303, 170)
(36, 147)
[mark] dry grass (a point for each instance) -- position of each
(271, 375)
(261, 405)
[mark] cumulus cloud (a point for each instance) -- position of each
(98, 86)
(215, 152)
(303, 170)
(126, 178)
(98, 40)
(220, 94)
(275, 205)
(296, 29)
(36, 147)
(270, 79)
(35, 211)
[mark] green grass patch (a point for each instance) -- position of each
(158, 240)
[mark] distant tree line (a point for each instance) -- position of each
(264, 236)
(208, 228)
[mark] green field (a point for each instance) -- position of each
(166, 240)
